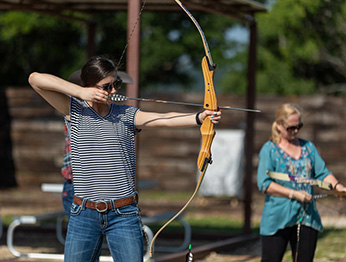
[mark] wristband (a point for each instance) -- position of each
(197, 119)
(291, 194)
(336, 184)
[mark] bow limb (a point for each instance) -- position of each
(210, 100)
(204, 39)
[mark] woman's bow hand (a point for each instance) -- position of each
(215, 117)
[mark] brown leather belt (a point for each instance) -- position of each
(103, 206)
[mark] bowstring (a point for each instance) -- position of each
(130, 36)
(151, 248)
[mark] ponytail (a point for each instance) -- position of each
(282, 114)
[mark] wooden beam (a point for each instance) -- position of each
(250, 129)
(133, 52)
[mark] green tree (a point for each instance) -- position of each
(301, 48)
(171, 50)
(171, 47)
(33, 42)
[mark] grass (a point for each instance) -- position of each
(215, 224)
(331, 246)
(208, 224)
(6, 220)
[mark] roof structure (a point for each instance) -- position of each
(227, 7)
(239, 6)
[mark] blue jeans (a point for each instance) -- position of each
(121, 226)
(67, 197)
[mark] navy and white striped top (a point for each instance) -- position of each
(103, 151)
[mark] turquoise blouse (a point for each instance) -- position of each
(282, 212)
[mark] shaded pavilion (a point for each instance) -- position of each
(240, 10)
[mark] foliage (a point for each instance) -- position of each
(301, 50)
(172, 48)
(32, 42)
(111, 35)
(275, 76)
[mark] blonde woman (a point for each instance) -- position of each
(287, 203)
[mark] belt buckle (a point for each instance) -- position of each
(101, 210)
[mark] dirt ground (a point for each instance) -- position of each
(28, 201)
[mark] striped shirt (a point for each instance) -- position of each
(103, 151)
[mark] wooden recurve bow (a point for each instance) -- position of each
(207, 127)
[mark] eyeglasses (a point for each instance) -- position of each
(109, 86)
(293, 128)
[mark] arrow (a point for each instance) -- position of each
(120, 98)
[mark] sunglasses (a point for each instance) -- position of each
(293, 128)
(109, 86)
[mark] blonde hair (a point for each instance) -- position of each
(282, 114)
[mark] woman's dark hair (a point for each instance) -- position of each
(96, 69)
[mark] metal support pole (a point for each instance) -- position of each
(249, 141)
(133, 51)
(133, 58)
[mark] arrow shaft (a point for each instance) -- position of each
(321, 196)
(188, 104)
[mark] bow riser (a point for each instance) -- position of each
(210, 100)
(208, 134)
(210, 103)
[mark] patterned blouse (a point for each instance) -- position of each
(282, 212)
